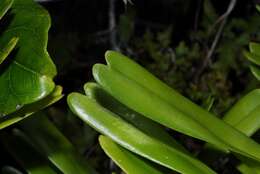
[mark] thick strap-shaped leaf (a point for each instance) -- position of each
(255, 71)
(255, 58)
(5, 5)
(150, 105)
(245, 116)
(251, 123)
(243, 107)
(4, 52)
(244, 169)
(25, 154)
(27, 76)
(254, 48)
(132, 138)
(51, 143)
(6, 48)
(146, 125)
(138, 89)
(128, 162)
(147, 103)
(249, 163)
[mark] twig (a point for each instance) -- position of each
(215, 42)
(112, 25)
(229, 10)
(223, 18)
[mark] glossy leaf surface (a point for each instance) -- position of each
(27, 75)
(129, 162)
(29, 109)
(245, 117)
(132, 138)
(149, 127)
(6, 50)
(138, 89)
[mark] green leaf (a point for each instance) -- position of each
(245, 117)
(149, 127)
(129, 162)
(244, 114)
(117, 85)
(244, 169)
(51, 143)
(255, 71)
(29, 109)
(5, 5)
(6, 49)
(254, 166)
(17, 144)
(27, 75)
(132, 138)
(258, 8)
(254, 48)
(253, 57)
(4, 52)
(135, 87)
(251, 123)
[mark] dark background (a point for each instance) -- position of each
(80, 28)
(171, 38)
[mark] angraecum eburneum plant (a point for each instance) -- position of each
(131, 108)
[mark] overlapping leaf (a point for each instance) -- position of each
(26, 86)
(129, 162)
(26, 75)
(138, 89)
(40, 148)
(50, 142)
(32, 161)
(148, 126)
(132, 138)
(245, 117)
(253, 55)
(148, 97)
(26, 70)
(29, 109)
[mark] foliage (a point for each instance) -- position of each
(26, 74)
(223, 79)
(253, 56)
(27, 87)
(135, 111)
(137, 89)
